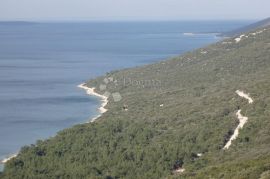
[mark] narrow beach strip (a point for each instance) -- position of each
(8, 159)
(89, 91)
(104, 99)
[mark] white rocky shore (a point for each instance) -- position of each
(104, 99)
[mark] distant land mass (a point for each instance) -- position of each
(17, 23)
(251, 27)
(204, 114)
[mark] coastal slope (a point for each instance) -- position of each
(237, 32)
(173, 120)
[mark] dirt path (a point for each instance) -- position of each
(242, 119)
(244, 95)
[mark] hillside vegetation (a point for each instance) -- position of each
(261, 24)
(170, 112)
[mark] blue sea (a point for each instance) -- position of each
(41, 65)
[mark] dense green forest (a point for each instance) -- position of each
(170, 112)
